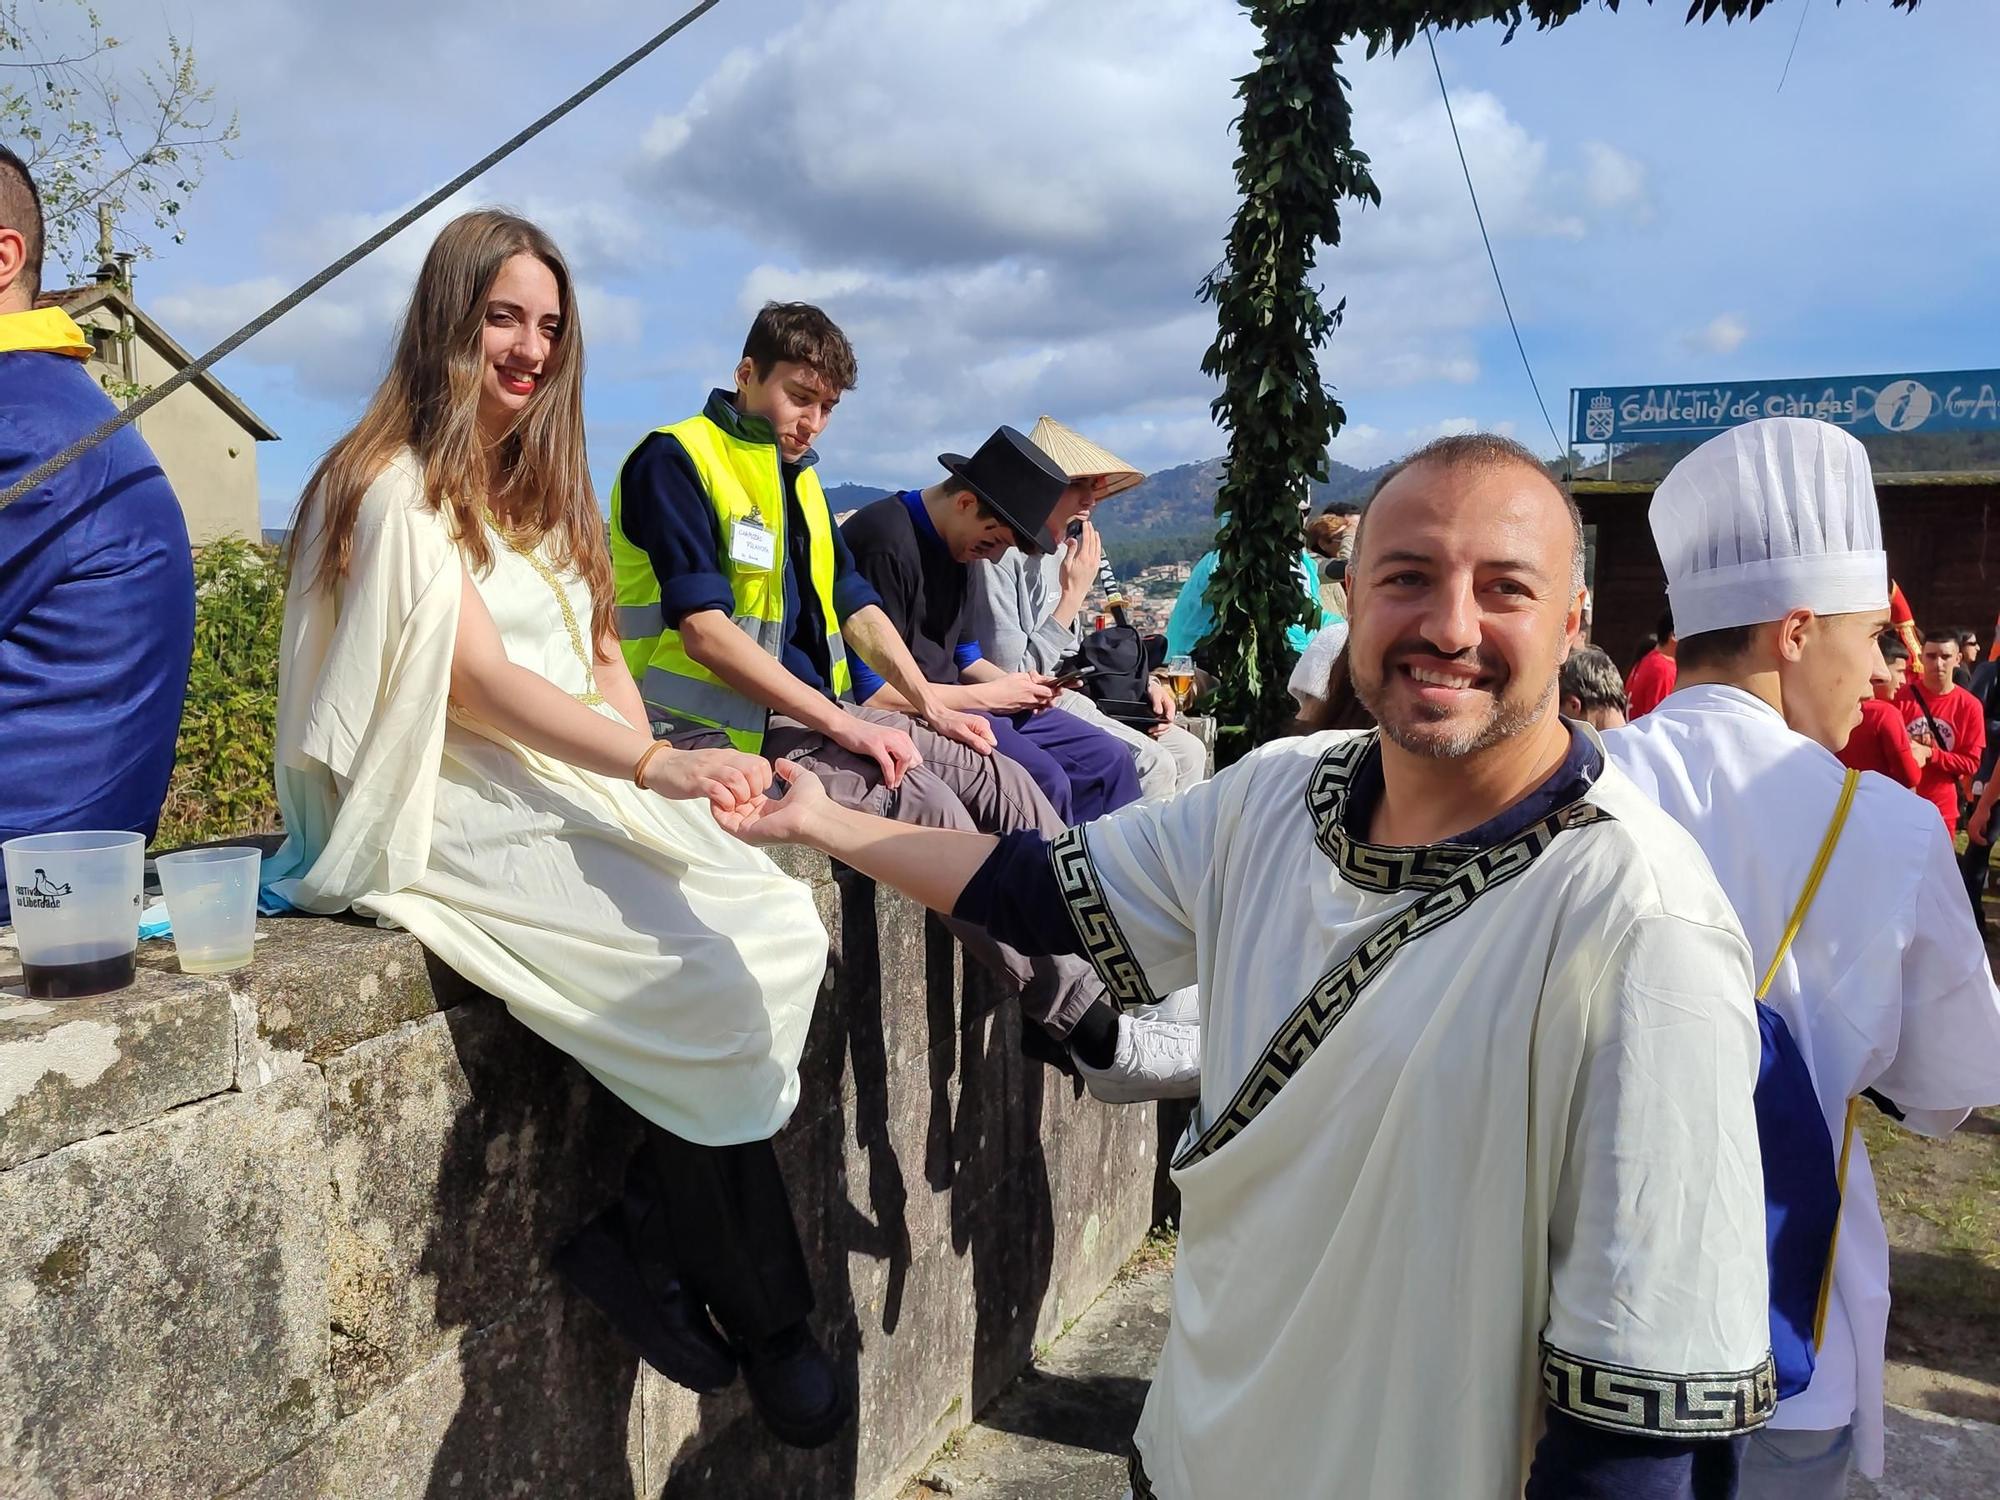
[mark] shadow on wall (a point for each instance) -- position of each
(551, 1397)
(536, 1148)
(981, 1048)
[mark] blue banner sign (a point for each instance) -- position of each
(1866, 405)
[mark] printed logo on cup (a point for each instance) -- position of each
(41, 894)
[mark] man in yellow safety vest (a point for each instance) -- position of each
(738, 605)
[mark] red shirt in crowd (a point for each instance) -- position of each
(1962, 722)
(1651, 680)
(1880, 742)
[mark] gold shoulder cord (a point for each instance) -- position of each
(534, 560)
(1820, 861)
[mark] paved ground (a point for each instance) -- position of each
(1060, 1431)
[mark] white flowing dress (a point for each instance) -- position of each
(676, 964)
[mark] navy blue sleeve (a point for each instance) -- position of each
(867, 681)
(1576, 1461)
(851, 592)
(1015, 897)
(666, 512)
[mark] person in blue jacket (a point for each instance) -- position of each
(96, 578)
(1193, 617)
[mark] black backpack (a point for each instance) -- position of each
(1114, 665)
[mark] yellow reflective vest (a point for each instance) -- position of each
(742, 479)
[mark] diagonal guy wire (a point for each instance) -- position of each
(1533, 384)
(46, 471)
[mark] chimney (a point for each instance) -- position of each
(107, 250)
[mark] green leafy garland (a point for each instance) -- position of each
(1296, 165)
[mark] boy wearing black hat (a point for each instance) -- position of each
(916, 549)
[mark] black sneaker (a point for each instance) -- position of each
(655, 1315)
(794, 1387)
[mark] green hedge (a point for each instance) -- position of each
(222, 766)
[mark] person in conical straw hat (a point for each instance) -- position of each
(1028, 612)
(1773, 552)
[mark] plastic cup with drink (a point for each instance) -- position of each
(212, 901)
(75, 899)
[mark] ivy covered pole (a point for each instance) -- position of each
(1296, 164)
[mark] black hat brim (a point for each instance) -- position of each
(1029, 538)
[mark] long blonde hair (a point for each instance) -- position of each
(429, 402)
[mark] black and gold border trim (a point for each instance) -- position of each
(1716, 1404)
(1385, 868)
(1323, 1008)
(1103, 943)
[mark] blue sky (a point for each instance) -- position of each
(1009, 204)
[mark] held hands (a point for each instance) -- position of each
(1921, 749)
(729, 779)
(1018, 691)
(894, 751)
(782, 819)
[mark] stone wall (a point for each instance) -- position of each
(286, 1233)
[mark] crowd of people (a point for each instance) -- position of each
(1526, 1043)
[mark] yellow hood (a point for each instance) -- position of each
(46, 330)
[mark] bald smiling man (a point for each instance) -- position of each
(1449, 1226)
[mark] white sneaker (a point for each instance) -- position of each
(1181, 1005)
(1154, 1060)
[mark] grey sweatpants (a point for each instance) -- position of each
(955, 787)
(1795, 1464)
(1167, 765)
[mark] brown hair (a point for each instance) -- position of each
(799, 333)
(1323, 534)
(1713, 649)
(429, 402)
(21, 211)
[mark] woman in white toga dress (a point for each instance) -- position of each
(462, 753)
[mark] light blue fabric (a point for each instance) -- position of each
(155, 923)
(1193, 617)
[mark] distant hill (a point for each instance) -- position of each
(1169, 518)
(1181, 500)
(846, 497)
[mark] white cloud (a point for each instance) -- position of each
(1615, 182)
(336, 343)
(1723, 334)
(993, 259)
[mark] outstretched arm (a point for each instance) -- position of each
(931, 865)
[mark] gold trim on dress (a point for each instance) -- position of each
(534, 560)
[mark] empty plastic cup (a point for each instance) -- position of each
(76, 910)
(212, 902)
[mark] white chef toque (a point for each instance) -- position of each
(1767, 518)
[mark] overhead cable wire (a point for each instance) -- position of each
(47, 470)
(1804, 11)
(1561, 446)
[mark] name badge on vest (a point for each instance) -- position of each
(751, 545)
